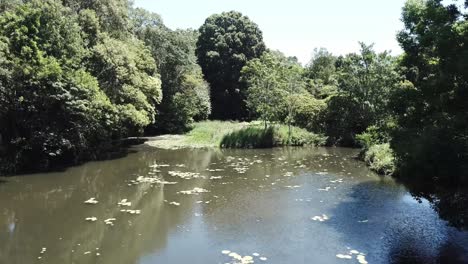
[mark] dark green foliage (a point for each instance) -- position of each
(189, 105)
(113, 15)
(51, 112)
(343, 119)
(308, 112)
(68, 90)
(8, 4)
(226, 42)
(431, 138)
(322, 75)
(186, 94)
(431, 141)
(373, 136)
(365, 82)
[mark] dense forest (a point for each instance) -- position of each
(77, 77)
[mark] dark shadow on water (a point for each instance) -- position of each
(450, 202)
(390, 226)
(122, 150)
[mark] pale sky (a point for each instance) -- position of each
(296, 27)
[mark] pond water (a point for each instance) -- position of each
(285, 205)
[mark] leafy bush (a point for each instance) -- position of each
(308, 111)
(51, 112)
(373, 135)
(297, 137)
(380, 158)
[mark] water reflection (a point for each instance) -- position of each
(258, 201)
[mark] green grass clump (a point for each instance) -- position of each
(256, 136)
(380, 158)
(249, 137)
(210, 133)
(228, 134)
(298, 137)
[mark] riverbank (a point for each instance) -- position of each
(227, 134)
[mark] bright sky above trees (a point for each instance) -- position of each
(296, 27)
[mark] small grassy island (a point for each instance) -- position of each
(225, 134)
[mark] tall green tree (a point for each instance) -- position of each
(185, 93)
(113, 15)
(263, 77)
(226, 42)
(322, 74)
(127, 74)
(52, 111)
(276, 87)
(432, 139)
(365, 82)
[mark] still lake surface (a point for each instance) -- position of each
(284, 205)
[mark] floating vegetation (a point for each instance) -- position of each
(293, 187)
(243, 260)
(337, 181)
(360, 257)
(133, 212)
(239, 259)
(321, 218)
(43, 250)
(159, 165)
(91, 219)
(342, 256)
(174, 203)
(288, 174)
(124, 202)
(213, 170)
(241, 170)
(321, 172)
(195, 190)
(91, 200)
(326, 189)
(216, 177)
(110, 221)
(152, 180)
(186, 175)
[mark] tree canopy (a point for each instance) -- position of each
(431, 139)
(226, 43)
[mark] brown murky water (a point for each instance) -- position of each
(292, 205)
